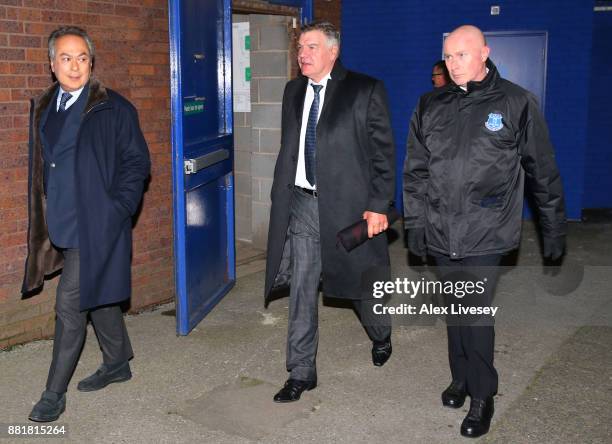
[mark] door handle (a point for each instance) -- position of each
(192, 166)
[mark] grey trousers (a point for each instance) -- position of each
(71, 327)
(303, 330)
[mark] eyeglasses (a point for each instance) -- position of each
(433, 74)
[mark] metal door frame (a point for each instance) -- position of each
(178, 179)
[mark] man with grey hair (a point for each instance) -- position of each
(336, 165)
(88, 164)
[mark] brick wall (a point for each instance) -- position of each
(131, 39)
(328, 10)
(398, 41)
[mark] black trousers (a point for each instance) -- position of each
(303, 329)
(71, 327)
(471, 340)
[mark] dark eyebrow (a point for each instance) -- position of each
(81, 54)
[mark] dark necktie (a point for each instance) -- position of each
(65, 97)
(310, 142)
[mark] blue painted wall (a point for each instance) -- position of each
(398, 41)
(598, 171)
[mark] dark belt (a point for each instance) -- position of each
(313, 193)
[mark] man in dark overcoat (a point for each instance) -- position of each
(87, 169)
(335, 166)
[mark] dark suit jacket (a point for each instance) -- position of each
(355, 172)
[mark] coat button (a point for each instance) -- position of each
(294, 158)
(289, 186)
(52, 164)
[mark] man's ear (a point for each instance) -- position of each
(335, 52)
(484, 53)
(52, 67)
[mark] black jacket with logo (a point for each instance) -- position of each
(467, 158)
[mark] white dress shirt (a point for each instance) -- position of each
(300, 174)
(74, 98)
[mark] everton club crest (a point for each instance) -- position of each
(495, 122)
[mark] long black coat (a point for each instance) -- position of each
(355, 172)
(112, 163)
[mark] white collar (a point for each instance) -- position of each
(323, 81)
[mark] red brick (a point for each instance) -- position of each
(11, 2)
(10, 26)
(155, 13)
(60, 17)
(14, 135)
(12, 81)
(146, 70)
(19, 122)
(39, 81)
(20, 313)
(5, 122)
(45, 4)
(5, 68)
(13, 162)
(36, 55)
(27, 68)
(3, 40)
(29, 15)
(5, 96)
(25, 337)
(100, 8)
(25, 94)
(40, 321)
(14, 108)
(25, 41)
(40, 28)
(71, 5)
(85, 19)
(128, 11)
(11, 330)
(12, 54)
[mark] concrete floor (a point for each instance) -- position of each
(216, 385)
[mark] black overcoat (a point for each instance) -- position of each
(355, 172)
(112, 163)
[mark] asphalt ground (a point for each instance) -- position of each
(216, 385)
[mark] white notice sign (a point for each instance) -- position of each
(241, 67)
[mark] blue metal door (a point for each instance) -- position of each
(521, 58)
(202, 150)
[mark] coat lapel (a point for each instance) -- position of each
(337, 75)
(49, 99)
(298, 103)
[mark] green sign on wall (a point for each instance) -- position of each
(192, 107)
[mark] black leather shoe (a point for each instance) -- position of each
(293, 390)
(105, 375)
(381, 352)
(49, 408)
(478, 419)
(454, 395)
